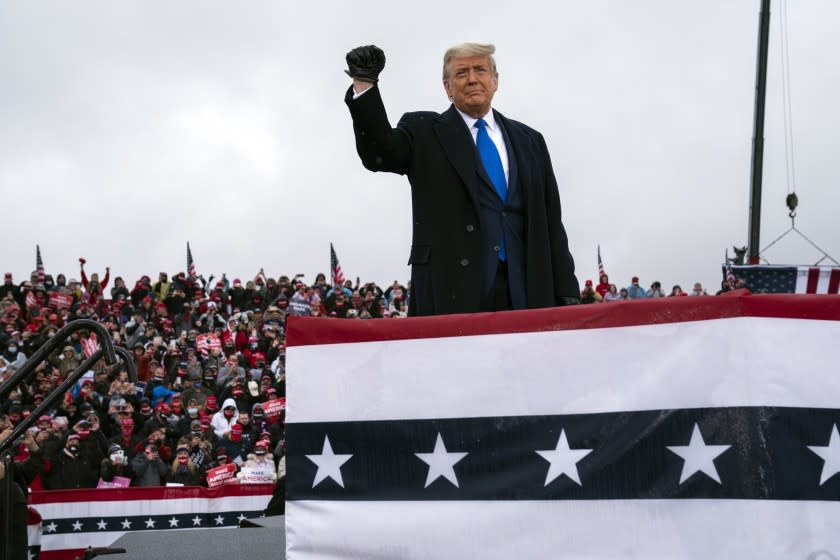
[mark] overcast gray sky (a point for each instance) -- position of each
(130, 128)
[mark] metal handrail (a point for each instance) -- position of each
(106, 350)
(42, 353)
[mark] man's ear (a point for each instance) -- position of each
(446, 88)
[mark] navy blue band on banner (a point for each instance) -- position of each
(733, 453)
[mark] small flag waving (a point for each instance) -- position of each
(190, 262)
(39, 264)
(600, 263)
(337, 274)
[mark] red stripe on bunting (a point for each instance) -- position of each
(813, 280)
(303, 331)
(147, 493)
(834, 281)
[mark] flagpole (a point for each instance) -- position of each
(758, 134)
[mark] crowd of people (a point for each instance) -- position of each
(605, 291)
(210, 363)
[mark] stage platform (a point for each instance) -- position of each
(263, 538)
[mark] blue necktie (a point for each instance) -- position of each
(493, 166)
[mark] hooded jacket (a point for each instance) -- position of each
(221, 424)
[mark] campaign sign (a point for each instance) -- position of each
(225, 474)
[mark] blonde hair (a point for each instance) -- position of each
(468, 49)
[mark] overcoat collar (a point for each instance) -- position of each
(458, 145)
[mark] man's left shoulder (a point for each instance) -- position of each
(516, 127)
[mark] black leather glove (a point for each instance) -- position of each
(365, 63)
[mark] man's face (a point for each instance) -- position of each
(471, 84)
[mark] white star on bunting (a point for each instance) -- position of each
(220, 520)
(698, 456)
(441, 463)
(241, 518)
(150, 523)
(77, 526)
(196, 521)
(173, 522)
(102, 525)
(51, 527)
(830, 455)
(126, 524)
(329, 464)
(563, 460)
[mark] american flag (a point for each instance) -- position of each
(455, 424)
(337, 274)
(600, 263)
(787, 279)
(39, 264)
(190, 262)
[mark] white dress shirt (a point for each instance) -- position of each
(495, 134)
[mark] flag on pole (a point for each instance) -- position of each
(451, 441)
(337, 274)
(600, 263)
(727, 273)
(190, 262)
(39, 264)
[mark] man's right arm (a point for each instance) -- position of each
(380, 147)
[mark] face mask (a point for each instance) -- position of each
(182, 459)
(228, 414)
(12, 349)
(235, 436)
(192, 411)
(258, 416)
(117, 457)
(74, 449)
(197, 384)
(254, 345)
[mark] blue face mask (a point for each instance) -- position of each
(197, 384)
(13, 349)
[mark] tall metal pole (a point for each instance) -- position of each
(758, 133)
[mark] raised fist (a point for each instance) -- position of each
(82, 261)
(365, 63)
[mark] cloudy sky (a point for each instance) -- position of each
(130, 128)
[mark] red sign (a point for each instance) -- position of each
(226, 474)
(273, 408)
(60, 301)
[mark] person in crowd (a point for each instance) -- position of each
(148, 467)
(634, 290)
(115, 464)
(183, 470)
(232, 442)
(612, 294)
(223, 420)
(676, 291)
(73, 466)
(655, 290)
(697, 290)
(588, 294)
